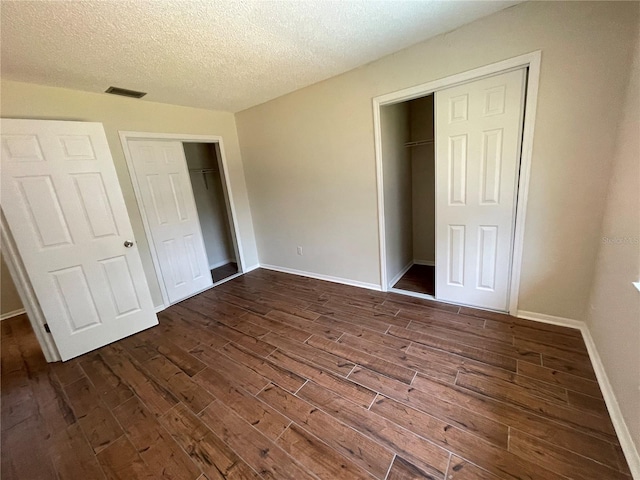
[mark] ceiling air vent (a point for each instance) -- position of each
(124, 92)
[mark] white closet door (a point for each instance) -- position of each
(65, 210)
(170, 209)
(478, 137)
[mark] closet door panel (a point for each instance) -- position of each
(478, 137)
(169, 206)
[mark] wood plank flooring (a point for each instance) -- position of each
(282, 377)
(419, 278)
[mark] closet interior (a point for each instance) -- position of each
(203, 161)
(409, 194)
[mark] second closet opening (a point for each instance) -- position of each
(204, 163)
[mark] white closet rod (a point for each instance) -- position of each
(204, 172)
(418, 143)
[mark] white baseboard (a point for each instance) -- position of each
(318, 276)
(629, 448)
(404, 270)
(429, 263)
(541, 317)
(251, 268)
(160, 308)
(221, 263)
(622, 431)
(15, 313)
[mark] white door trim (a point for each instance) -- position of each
(532, 62)
(125, 136)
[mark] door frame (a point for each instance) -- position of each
(125, 137)
(532, 62)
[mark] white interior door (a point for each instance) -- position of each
(163, 181)
(65, 210)
(478, 137)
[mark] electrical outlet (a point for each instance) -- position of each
(299, 250)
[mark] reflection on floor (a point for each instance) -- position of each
(419, 278)
(224, 271)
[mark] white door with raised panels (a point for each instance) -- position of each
(478, 138)
(168, 204)
(63, 204)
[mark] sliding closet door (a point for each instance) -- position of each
(170, 211)
(478, 137)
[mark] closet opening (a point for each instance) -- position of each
(453, 158)
(204, 164)
(409, 172)
(186, 202)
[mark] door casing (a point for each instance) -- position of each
(531, 61)
(125, 136)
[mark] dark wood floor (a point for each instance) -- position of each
(225, 271)
(419, 278)
(276, 376)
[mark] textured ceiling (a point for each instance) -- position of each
(223, 55)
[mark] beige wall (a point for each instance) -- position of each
(394, 124)
(23, 100)
(423, 180)
(309, 155)
(9, 299)
(614, 304)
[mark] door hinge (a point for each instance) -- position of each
(46, 328)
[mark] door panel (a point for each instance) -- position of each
(478, 134)
(76, 298)
(457, 160)
(40, 200)
(456, 255)
(118, 275)
(169, 206)
(64, 206)
(178, 197)
(95, 202)
(490, 167)
(487, 256)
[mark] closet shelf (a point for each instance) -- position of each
(418, 143)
